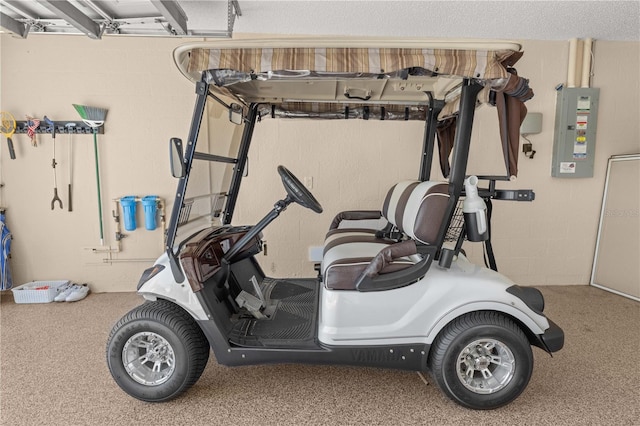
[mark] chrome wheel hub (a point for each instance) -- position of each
(148, 358)
(485, 366)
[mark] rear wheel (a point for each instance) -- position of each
(482, 360)
(156, 351)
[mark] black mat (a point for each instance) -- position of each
(292, 325)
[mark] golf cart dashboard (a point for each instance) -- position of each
(203, 255)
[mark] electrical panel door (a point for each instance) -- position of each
(574, 141)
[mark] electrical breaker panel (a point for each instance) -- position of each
(574, 140)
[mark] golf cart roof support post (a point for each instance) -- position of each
(241, 164)
(202, 88)
(431, 123)
(462, 141)
(461, 144)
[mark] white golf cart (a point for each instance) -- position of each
(402, 295)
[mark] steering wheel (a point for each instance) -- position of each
(297, 191)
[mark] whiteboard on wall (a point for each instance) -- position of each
(616, 265)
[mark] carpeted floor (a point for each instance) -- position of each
(53, 372)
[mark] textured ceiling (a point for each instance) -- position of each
(525, 20)
(522, 20)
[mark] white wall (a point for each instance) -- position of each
(547, 242)
(552, 240)
(148, 101)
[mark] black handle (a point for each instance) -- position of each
(69, 202)
(362, 98)
(12, 152)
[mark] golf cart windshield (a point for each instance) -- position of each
(206, 195)
(338, 79)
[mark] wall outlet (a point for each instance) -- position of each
(308, 182)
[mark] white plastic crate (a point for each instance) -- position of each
(38, 291)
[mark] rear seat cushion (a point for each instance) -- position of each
(425, 211)
(396, 201)
(422, 209)
(392, 210)
(343, 264)
(349, 236)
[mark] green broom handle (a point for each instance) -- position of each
(95, 150)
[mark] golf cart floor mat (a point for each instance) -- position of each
(293, 324)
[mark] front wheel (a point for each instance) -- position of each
(482, 360)
(156, 351)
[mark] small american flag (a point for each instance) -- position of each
(32, 125)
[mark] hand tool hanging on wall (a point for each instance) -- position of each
(70, 127)
(54, 163)
(94, 117)
(8, 129)
(32, 126)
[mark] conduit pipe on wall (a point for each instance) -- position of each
(586, 63)
(580, 61)
(571, 74)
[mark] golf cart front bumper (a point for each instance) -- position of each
(553, 338)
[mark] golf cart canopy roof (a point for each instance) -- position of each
(440, 82)
(394, 79)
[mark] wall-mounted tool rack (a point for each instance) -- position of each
(73, 127)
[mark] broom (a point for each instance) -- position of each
(94, 117)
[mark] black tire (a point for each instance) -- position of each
(481, 360)
(166, 351)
